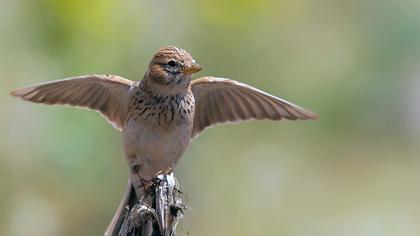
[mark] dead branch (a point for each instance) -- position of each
(155, 213)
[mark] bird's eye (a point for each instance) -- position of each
(172, 63)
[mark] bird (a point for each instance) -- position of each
(162, 113)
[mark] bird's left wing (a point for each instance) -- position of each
(108, 94)
(220, 100)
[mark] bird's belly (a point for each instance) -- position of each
(150, 149)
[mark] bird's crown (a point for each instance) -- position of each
(166, 54)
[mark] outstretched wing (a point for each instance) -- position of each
(219, 100)
(108, 94)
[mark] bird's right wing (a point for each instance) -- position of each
(219, 100)
(108, 94)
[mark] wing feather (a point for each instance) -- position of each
(107, 94)
(221, 100)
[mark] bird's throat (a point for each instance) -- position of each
(165, 86)
(162, 108)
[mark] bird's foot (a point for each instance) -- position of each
(167, 171)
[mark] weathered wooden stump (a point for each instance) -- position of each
(155, 213)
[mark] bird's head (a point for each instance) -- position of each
(172, 68)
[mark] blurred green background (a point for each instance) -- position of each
(356, 64)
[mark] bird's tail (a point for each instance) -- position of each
(129, 199)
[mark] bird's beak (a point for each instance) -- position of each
(194, 68)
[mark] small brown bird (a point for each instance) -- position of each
(161, 114)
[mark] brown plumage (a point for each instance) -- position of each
(107, 94)
(223, 100)
(165, 103)
(159, 115)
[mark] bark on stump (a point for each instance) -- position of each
(156, 213)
